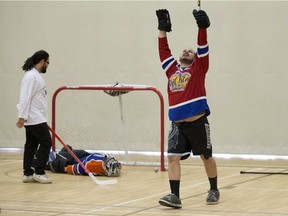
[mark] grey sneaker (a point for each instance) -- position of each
(28, 179)
(171, 200)
(42, 179)
(213, 197)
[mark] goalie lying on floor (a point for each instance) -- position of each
(97, 163)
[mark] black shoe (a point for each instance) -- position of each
(171, 200)
(213, 197)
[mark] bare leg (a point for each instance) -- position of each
(210, 166)
(174, 173)
(174, 169)
(211, 170)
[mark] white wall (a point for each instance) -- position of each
(100, 42)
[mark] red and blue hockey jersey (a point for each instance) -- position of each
(186, 86)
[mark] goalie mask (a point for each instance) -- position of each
(112, 167)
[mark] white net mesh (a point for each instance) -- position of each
(127, 126)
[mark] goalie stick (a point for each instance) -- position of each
(99, 182)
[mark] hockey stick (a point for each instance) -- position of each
(268, 173)
(199, 4)
(99, 182)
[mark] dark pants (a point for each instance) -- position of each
(36, 135)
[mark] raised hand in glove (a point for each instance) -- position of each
(201, 18)
(164, 22)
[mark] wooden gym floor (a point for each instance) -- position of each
(139, 189)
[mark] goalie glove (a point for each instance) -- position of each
(164, 22)
(114, 93)
(201, 18)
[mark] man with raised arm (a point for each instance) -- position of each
(188, 107)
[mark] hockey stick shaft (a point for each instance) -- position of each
(199, 4)
(268, 173)
(107, 182)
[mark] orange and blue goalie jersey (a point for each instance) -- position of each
(94, 163)
(186, 86)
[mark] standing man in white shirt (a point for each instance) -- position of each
(32, 114)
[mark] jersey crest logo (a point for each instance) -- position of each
(178, 81)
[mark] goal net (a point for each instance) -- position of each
(128, 124)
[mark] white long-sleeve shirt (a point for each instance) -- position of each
(32, 106)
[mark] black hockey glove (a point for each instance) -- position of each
(201, 18)
(164, 22)
(115, 92)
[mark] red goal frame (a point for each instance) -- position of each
(120, 88)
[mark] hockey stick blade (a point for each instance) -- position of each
(99, 182)
(102, 182)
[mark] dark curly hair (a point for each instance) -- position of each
(35, 59)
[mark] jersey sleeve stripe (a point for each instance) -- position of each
(167, 63)
(202, 51)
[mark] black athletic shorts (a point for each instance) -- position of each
(193, 136)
